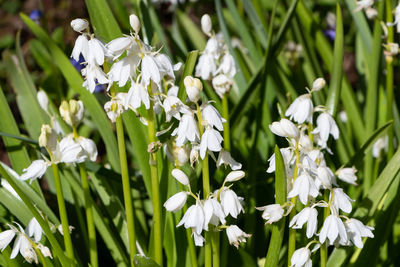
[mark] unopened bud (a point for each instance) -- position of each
(371, 12)
(79, 25)
(206, 24)
(43, 100)
(72, 112)
(193, 88)
(135, 23)
(45, 251)
(48, 137)
(318, 84)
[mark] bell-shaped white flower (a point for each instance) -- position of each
(325, 178)
(137, 95)
(194, 218)
(303, 187)
(225, 158)
(206, 24)
(96, 52)
(34, 230)
(230, 202)
(340, 200)
(307, 215)
(79, 25)
(347, 175)
(5, 238)
(211, 115)
(222, 84)
(206, 67)
(43, 100)
(22, 245)
(81, 47)
(301, 258)
(94, 75)
(176, 202)
(115, 107)
(301, 109)
(193, 88)
(198, 239)
(165, 66)
(123, 70)
(187, 129)
(9, 188)
(356, 230)
(69, 151)
(236, 235)
(326, 125)
(213, 213)
(88, 146)
(333, 229)
(211, 140)
(234, 176)
(173, 107)
(227, 65)
(284, 128)
(150, 71)
(180, 176)
(272, 213)
(36, 170)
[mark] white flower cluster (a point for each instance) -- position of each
(307, 174)
(216, 63)
(212, 210)
(69, 149)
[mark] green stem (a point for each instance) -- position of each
(215, 248)
(158, 256)
(126, 189)
(389, 80)
(227, 131)
(89, 216)
(206, 191)
(292, 232)
(63, 212)
(324, 248)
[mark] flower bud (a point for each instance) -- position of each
(43, 100)
(318, 84)
(234, 176)
(72, 112)
(371, 12)
(134, 22)
(180, 176)
(48, 138)
(45, 251)
(79, 25)
(193, 88)
(176, 202)
(284, 128)
(206, 24)
(181, 155)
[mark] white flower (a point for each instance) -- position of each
(193, 88)
(68, 151)
(287, 155)
(272, 213)
(81, 47)
(137, 95)
(43, 100)
(198, 239)
(5, 238)
(213, 213)
(194, 218)
(173, 107)
(34, 230)
(303, 187)
(176, 202)
(396, 17)
(340, 200)
(206, 67)
(187, 129)
(180, 176)
(123, 70)
(301, 109)
(325, 178)
(332, 229)
(307, 215)
(9, 188)
(356, 230)
(165, 66)
(224, 157)
(230, 202)
(96, 52)
(150, 71)
(347, 175)
(88, 146)
(44, 250)
(227, 65)
(284, 128)
(211, 140)
(305, 144)
(318, 84)
(135, 23)
(79, 25)
(234, 176)
(72, 111)
(115, 107)
(221, 84)
(236, 235)
(35, 170)
(380, 145)
(211, 115)
(23, 246)
(301, 257)
(363, 4)
(93, 75)
(206, 24)
(326, 125)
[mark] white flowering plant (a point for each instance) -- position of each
(179, 133)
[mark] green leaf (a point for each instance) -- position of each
(337, 68)
(195, 36)
(143, 261)
(257, 24)
(278, 229)
(187, 71)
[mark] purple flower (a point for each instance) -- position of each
(36, 15)
(78, 64)
(330, 33)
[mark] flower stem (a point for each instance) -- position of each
(227, 131)
(158, 256)
(215, 248)
(389, 80)
(206, 191)
(89, 216)
(324, 250)
(292, 232)
(63, 213)
(126, 189)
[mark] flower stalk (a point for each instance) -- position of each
(227, 131)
